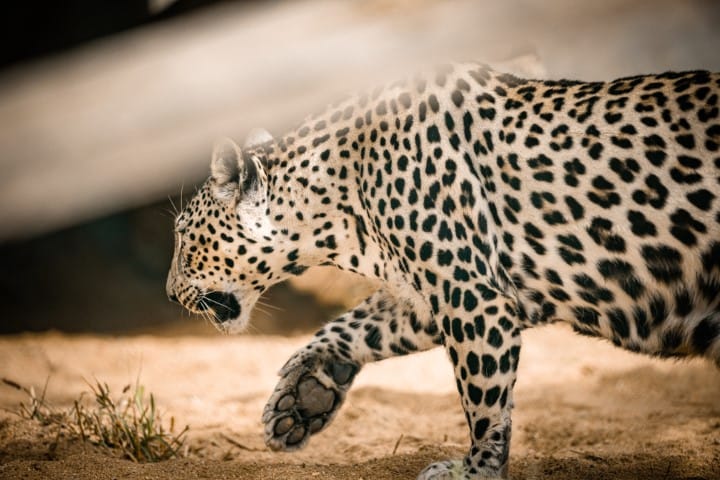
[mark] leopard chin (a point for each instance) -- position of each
(222, 305)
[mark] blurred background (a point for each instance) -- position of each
(109, 109)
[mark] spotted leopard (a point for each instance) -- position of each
(485, 204)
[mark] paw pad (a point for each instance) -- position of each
(285, 403)
(284, 425)
(313, 398)
(342, 372)
(296, 436)
(307, 397)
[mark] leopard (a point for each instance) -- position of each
(483, 204)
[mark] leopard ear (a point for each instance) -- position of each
(225, 163)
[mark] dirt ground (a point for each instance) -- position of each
(584, 410)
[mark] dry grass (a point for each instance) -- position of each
(130, 425)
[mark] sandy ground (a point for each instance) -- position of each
(583, 410)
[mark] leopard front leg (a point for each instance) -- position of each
(483, 342)
(314, 381)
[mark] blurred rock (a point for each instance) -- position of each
(125, 120)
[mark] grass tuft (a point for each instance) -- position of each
(130, 425)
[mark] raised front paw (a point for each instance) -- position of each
(311, 389)
(454, 470)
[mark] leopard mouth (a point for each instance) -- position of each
(223, 306)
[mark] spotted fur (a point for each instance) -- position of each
(485, 204)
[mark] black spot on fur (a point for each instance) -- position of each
(701, 199)
(706, 332)
(663, 262)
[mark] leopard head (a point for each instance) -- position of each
(225, 241)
